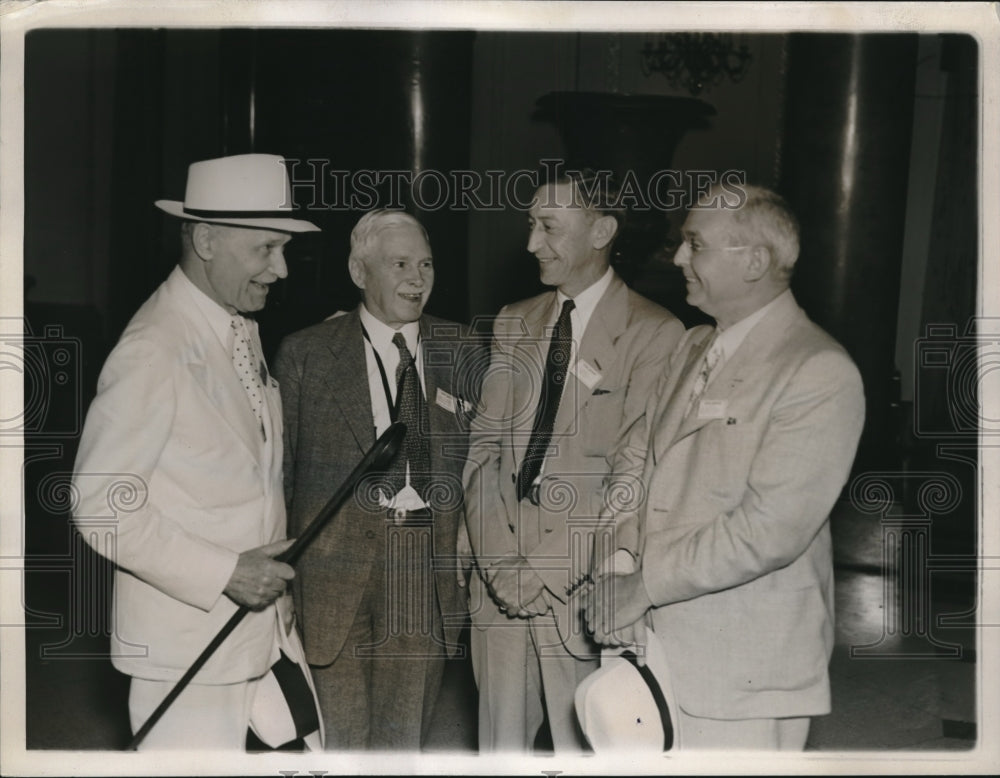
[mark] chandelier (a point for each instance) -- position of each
(698, 60)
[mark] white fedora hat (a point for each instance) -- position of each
(622, 706)
(246, 190)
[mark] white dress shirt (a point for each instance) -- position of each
(730, 339)
(585, 303)
(379, 340)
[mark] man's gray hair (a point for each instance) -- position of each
(365, 235)
(765, 219)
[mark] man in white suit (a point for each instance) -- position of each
(742, 452)
(569, 369)
(188, 418)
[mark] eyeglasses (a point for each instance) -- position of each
(697, 248)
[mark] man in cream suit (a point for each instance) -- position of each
(184, 437)
(570, 368)
(378, 592)
(743, 451)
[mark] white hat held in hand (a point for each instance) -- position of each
(623, 706)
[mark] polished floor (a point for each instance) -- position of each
(903, 672)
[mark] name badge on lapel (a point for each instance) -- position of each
(712, 409)
(445, 400)
(587, 374)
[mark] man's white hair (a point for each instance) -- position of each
(365, 235)
(765, 219)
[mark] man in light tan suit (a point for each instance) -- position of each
(569, 369)
(743, 451)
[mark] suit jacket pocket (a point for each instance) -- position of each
(730, 448)
(600, 423)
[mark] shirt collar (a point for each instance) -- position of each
(587, 300)
(729, 339)
(381, 333)
(219, 319)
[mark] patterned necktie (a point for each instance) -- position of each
(548, 404)
(249, 368)
(712, 356)
(412, 411)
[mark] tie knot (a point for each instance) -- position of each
(567, 308)
(400, 343)
(239, 325)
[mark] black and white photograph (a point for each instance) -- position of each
(499, 387)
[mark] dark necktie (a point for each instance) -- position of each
(412, 411)
(548, 404)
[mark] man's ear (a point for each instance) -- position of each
(202, 240)
(357, 271)
(603, 231)
(759, 264)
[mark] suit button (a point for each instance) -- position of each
(513, 478)
(370, 534)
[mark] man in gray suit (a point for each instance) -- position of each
(742, 452)
(570, 368)
(377, 592)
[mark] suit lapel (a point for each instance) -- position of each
(529, 365)
(347, 378)
(271, 451)
(219, 380)
(438, 374)
(214, 371)
(671, 408)
(757, 349)
(597, 349)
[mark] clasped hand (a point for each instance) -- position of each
(515, 587)
(613, 607)
(259, 579)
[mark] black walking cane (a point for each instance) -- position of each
(377, 458)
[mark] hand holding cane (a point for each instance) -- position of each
(377, 458)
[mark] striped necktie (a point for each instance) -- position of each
(712, 356)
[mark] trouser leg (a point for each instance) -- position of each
(561, 673)
(202, 717)
(510, 695)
